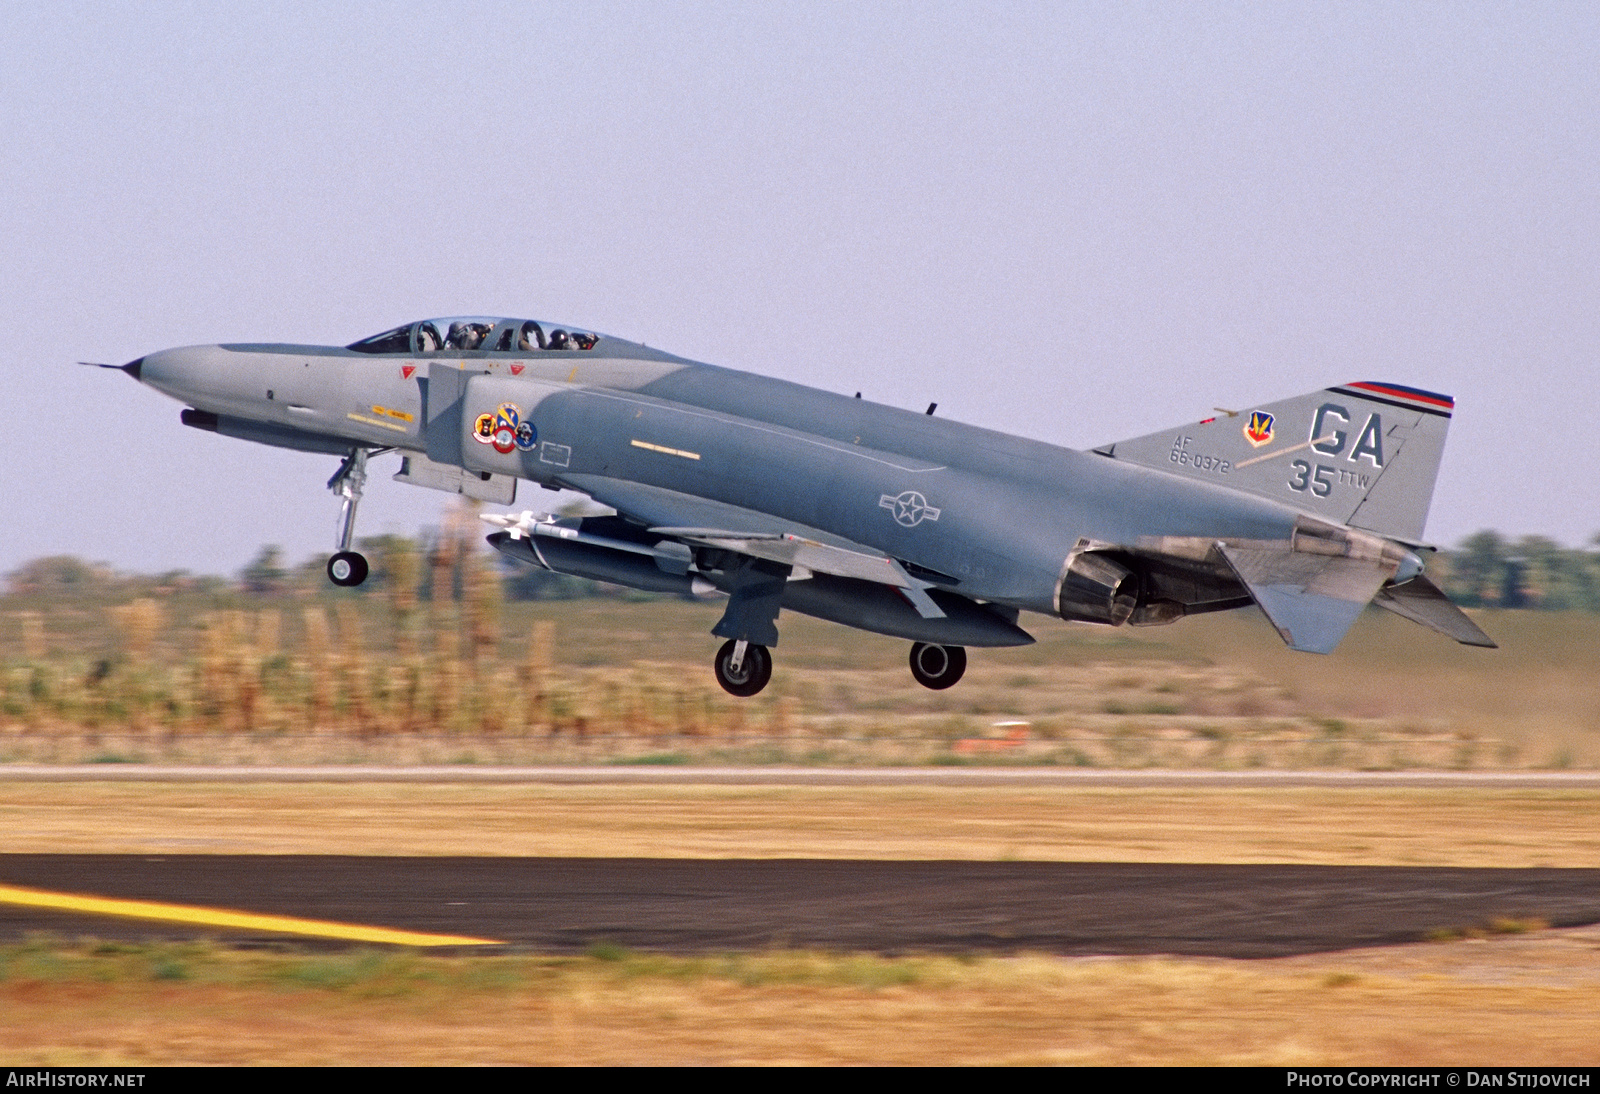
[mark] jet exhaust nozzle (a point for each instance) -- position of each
(1096, 589)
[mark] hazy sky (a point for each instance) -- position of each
(1078, 222)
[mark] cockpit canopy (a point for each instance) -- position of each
(476, 334)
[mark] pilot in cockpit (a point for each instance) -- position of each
(466, 336)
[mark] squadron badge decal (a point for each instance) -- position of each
(505, 430)
(1258, 430)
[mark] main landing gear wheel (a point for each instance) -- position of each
(937, 667)
(347, 568)
(754, 670)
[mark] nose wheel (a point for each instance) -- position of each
(937, 667)
(743, 668)
(347, 568)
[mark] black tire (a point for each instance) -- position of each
(347, 569)
(937, 667)
(753, 673)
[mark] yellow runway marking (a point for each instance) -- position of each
(222, 917)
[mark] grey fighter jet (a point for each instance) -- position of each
(780, 496)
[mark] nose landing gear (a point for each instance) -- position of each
(348, 568)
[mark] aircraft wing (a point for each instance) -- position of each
(655, 506)
(756, 534)
(1312, 599)
(809, 554)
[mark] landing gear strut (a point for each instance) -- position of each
(349, 568)
(743, 668)
(937, 667)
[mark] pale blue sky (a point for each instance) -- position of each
(1078, 222)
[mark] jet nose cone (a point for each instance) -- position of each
(180, 373)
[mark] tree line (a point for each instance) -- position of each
(1489, 570)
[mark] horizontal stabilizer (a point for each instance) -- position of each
(1312, 599)
(1421, 601)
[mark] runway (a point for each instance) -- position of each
(674, 775)
(566, 905)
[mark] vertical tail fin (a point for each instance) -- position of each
(1364, 454)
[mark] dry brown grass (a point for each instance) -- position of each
(1452, 827)
(1516, 1001)
(588, 681)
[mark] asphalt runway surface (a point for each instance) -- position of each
(566, 905)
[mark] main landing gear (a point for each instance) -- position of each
(744, 663)
(348, 568)
(743, 668)
(937, 667)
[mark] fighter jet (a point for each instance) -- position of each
(784, 497)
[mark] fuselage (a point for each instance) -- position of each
(992, 516)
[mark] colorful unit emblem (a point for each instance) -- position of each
(1258, 430)
(505, 429)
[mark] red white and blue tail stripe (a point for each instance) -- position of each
(1409, 398)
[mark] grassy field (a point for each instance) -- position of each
(1328, 826)
(339, 680)
(1511, 1000)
